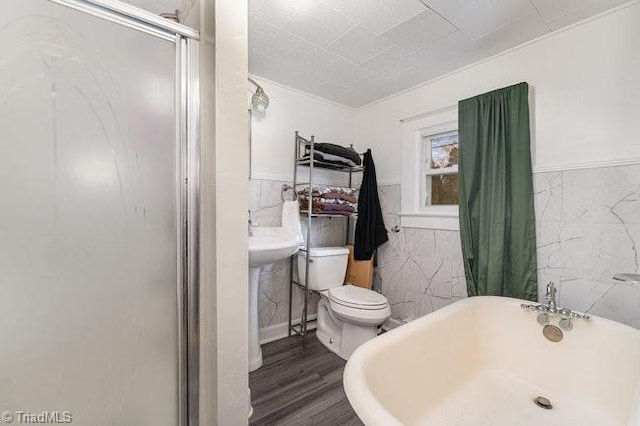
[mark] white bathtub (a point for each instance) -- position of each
(483, 360)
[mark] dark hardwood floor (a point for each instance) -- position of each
(300, 385)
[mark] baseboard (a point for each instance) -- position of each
(280, 331)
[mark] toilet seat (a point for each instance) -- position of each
(353, 297)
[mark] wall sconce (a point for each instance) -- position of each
(259, 100)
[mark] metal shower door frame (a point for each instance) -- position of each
(187, 143)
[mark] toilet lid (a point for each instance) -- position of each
(357, 297)
(328, 251)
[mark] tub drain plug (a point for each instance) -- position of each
(543, 402)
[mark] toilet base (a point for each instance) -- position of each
(353, 336)
(332, 343)
(340, 337)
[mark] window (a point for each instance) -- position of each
(440, 169)
(429, 191)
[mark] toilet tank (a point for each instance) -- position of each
(327, 267)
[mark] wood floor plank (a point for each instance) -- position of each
(300, 384)
(317, 412)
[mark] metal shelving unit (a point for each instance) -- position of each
(304, 147)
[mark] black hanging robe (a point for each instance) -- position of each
(370, 230)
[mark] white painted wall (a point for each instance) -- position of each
(586, 96)
(223, 206)
(290, 110)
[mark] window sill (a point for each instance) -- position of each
(436, 218)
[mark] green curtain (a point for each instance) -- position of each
(497, 220)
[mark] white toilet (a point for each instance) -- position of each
(348, 315)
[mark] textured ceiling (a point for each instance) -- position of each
(357, 51)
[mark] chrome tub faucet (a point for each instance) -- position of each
(550, 310)
(551, 296)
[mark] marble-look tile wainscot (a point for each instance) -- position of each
(588, 229)
(265, 205)
(419, 270)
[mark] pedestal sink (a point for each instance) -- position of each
(266, 245)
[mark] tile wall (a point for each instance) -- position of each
(265, 204)
(588, 229)
(588, 226)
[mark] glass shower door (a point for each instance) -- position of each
(89, 212)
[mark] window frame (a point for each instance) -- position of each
(427, 170)
(414, 213)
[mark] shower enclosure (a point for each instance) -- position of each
(98, 194)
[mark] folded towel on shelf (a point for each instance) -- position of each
(340, 196)
(329, 206)
(320, 208)
(338, 151)
(336, 158)
(316, 208)
(331, 159)
(336, 201)
(344, 209)
(321, 190)
(324, 200)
